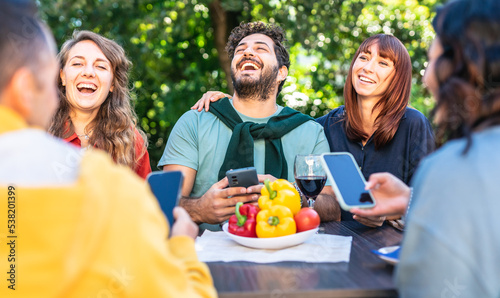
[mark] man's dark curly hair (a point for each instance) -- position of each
(273, 31)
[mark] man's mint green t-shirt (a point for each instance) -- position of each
(199, 141)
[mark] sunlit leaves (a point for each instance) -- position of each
(332, 31)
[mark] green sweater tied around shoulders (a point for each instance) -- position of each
(240, 150)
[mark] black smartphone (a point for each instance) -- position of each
(347, 181)
(244, 177)
(167, 187)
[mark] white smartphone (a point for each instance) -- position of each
(166, 186)
(348, 182)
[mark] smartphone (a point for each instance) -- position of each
(166, 186)
(348, 182)
(244, 177)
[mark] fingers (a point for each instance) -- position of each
(231, 196)
(207, 100)
(233, 191)
(181, 213)
(220, 190)
(209, 96)
(244, 199)
(393, 207)
(366, 212)
(199, 104)
(204, 101)
(371, 184)
(220, 95)
(377, 179)
(221, 184)
(255, 189)
(372, 221)
(225, 213)
(226, 207)
(183, 224)
(196, 105)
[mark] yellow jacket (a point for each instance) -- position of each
(104, 236)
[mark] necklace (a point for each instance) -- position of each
(85, 135)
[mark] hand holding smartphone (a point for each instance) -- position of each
(347, 181)
(166, 186)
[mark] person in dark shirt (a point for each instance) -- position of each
(376, 125)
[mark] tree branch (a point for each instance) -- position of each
(220, 23)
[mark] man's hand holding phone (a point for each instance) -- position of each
(248, 177)
(218, 203)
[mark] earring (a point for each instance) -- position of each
(63, 83)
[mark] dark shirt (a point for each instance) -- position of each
(413, 140)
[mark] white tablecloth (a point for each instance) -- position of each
(320, 248)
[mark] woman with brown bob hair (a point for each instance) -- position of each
(95, 108)
(451, 243)
(387, 107)
(376, 125)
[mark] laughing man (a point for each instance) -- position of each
(248, 130)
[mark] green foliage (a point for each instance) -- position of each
(324, 36)
(172, 47)
(170, 44)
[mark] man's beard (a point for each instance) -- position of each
(260, 89)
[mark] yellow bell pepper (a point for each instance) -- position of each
(280, 192)
(276, 221)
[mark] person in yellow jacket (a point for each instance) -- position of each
(74, 225)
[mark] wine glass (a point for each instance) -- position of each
(309, 176)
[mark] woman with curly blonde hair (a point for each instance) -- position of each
(95, 108)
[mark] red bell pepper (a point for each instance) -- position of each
(243, 222)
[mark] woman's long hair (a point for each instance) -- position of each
(392, 104)
(113, 129)
(468, 70)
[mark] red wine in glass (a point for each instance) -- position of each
(311, 186)
(309, 176)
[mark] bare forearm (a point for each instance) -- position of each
(192, 207)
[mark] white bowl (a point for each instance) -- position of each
(271, 243)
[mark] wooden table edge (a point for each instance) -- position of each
(345, 293)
